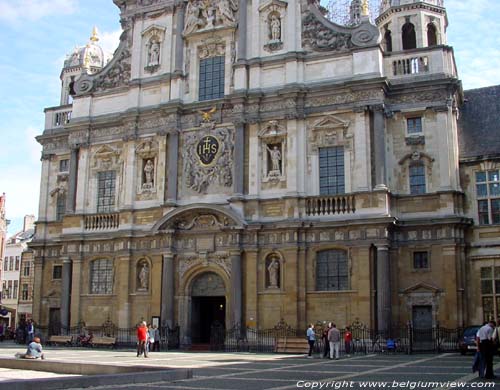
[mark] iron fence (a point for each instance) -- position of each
(125, 337)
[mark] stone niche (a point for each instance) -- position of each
(273, 150)
(147, 169)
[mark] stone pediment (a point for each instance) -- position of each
(274, 4)
(154, 29)
(272, 129)
(330, 122)
(422, 288)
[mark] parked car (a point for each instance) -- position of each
(468, 341)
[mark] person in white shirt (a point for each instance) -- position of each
(485, 339)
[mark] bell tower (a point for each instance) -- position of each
(412, 24)
(87, 59)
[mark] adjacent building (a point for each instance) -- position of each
(251, 162)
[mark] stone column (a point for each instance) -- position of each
(236, 287)
(76, 286)
(172, 166)
(379, 161)
(37, 290)
(73, 173)
(167, 290)
(179, 43)
(239, 159)
(65, 292)
(383, 289)
(123, 277)
(242, 30)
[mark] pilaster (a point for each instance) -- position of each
(167, 290)
(66, 292)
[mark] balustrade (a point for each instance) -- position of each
(330, 205)
(98, 222)
(412, 65)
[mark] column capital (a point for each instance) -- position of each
(382, 247)
(235, 253)
(66, 259)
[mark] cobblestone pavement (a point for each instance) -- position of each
(241, 371)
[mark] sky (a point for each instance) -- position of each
(36, 35)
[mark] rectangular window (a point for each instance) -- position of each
(417, 179)
(414, 125)
(101, 277)
(490, 291)
(18, 261)
(211, 81)
(332, 273)
(6, 264)
(488, 194)
(64, 166)
(26, 269)
(420, 260)
(331, 171)
(106, 191)
(61, 206)
(9, 289)
(24, 292)
(11, 263)
(16, 286)
(57, 272)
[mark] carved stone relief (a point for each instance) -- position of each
(153, 38)
(212, 47)
(203, 15)
(318, 37)
(147, 161)
(208, 159)
(221, 260)
(273, 150)
(329, 131)
(106, 158)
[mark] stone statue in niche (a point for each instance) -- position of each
(143, 277)
(273, 269)
(149, 169)
(275, 156)
(275, 28)
(154, 54)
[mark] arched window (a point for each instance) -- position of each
(431, 35)
(101, 277)
(409, 36)
(388, 40)
(332, 270)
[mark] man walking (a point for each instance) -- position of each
(485, 336)
(311, 339)
(334, 339)
(142, 338)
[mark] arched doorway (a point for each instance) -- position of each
(208, 305)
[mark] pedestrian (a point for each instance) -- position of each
(485, 336)
(34, 350)
(334, 339)
(311, 339)
(30, 331)
(151, 338)
(1, 332)
(347, 341)
(326, 343)
(156, 347)
(142, 338)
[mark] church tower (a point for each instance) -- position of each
(412, 24)
(85, 59)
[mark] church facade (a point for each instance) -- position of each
(251, 161)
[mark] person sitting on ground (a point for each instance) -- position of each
(34, 350)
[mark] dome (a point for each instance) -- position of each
(90, 57)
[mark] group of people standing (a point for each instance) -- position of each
(487, 340)
(331, 340)
(148, 339)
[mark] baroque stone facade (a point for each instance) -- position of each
(262, 161)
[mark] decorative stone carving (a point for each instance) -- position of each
(203, 221)
(202, 15)
(208, 284)
(273, 147)
(212, 47)
(106, 158)
(153, 38)
(329, 131)
(143, 276)
(415, 140)
(273, 268)
(208, 159)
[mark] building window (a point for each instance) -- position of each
(417, 178)
(332, 270)
(16, 287)
(106, 191)
(388, 41)
(18, 261)
(57, 272)
(6, 264)
(101, 277)
(331, 171)
(60, 206)
(64, 166)
(26, 269)
(24, 292)
(414, 125)
(409, 36)
(490, 291)
(212, 78)
(488, 194)
(420, 260)
(431, 35)
(11, 263)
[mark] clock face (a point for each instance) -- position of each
(207, 150)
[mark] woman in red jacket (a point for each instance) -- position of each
(142, 338)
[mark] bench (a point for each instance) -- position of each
(296, 345)
(64, 340)
(104, 341)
